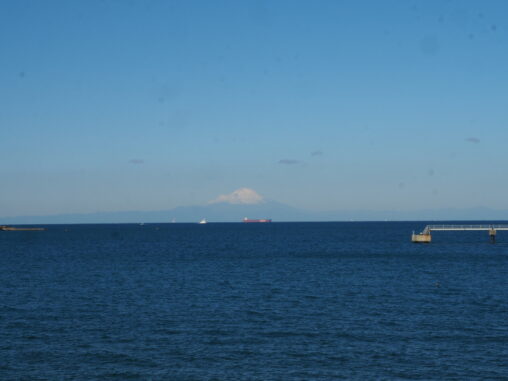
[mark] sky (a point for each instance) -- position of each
(323, 105)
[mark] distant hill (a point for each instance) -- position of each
(227, 212)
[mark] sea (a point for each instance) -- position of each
(234, 301)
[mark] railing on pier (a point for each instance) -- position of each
(430, 228)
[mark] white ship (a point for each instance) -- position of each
(203, 221)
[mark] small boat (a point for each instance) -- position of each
(203, 221)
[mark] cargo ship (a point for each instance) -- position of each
(11, 228)
(252, 220)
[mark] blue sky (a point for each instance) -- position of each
(325, 105)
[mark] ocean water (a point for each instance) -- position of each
(280, 301)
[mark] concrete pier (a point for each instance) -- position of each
(421, 238)
(425, 236)
(492, 235)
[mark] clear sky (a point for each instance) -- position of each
(325, 105)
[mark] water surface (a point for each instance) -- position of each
(280, 301)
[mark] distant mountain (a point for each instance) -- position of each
(228, 212)
(216, 212)
(446, 214)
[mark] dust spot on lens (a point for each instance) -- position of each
(429, 45)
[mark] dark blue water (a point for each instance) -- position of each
(280, 301)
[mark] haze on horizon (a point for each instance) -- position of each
(151, 105)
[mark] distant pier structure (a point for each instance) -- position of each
(426, 237)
